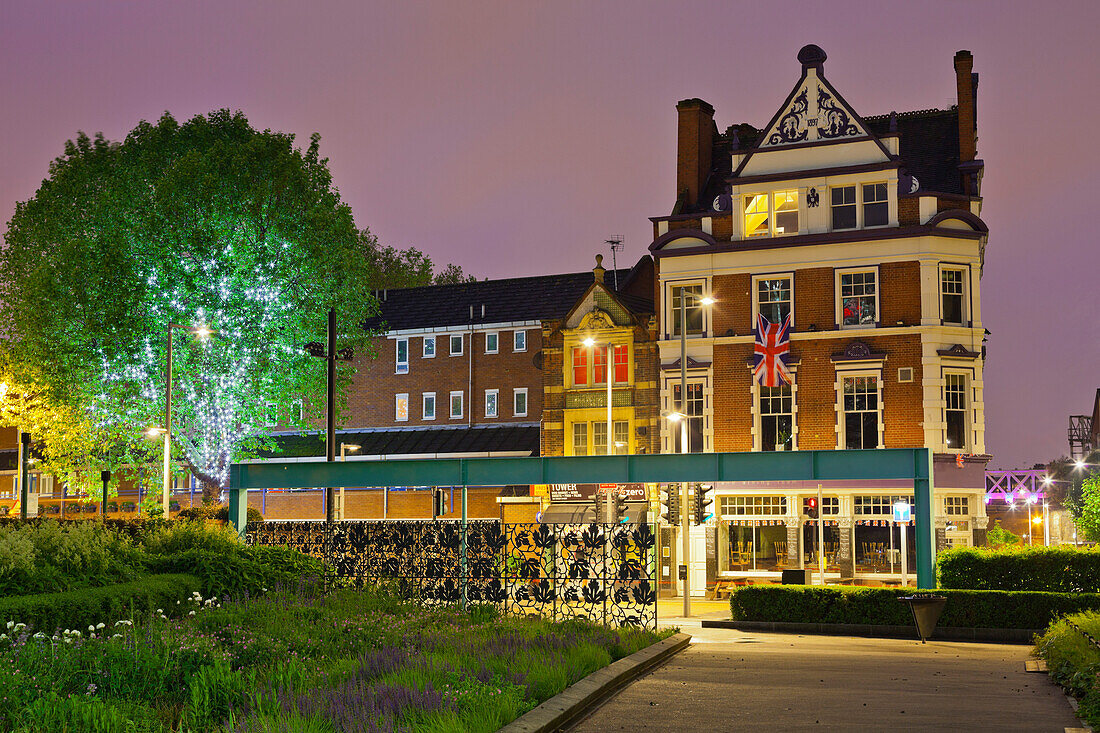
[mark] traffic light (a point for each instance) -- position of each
(702, 502)
(599, 504)
(439, 502)
(620, 508)
(811, 508)
(670, 505)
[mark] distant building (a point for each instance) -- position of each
(1084, 432)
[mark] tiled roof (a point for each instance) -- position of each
(929, 146)
(512, 299)
(417, 441)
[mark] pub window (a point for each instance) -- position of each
(776, 418)
(957, 506)
(951, 295)
(876, 212)
(580, 365)
(861, 412)
(774, 298)
(741, 506)
(858, 298)
(693, 309)
(844, 207)
(954, 397)
(580, 439)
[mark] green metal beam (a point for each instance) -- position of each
(829, 465)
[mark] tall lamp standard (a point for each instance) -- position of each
(609, 502)
(344, 448)
(681, 417)
(202, 332)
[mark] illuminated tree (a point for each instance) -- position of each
(206, 223)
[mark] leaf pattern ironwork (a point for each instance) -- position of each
(602, 572)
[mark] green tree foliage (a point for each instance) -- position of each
(209, 223)
(1086, 512)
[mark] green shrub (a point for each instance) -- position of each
(857, 605)
(49, 556)
(177, 537)
(89, 606)
(1053, 569)
(1073, 661)
(219, 513)
(246, 571)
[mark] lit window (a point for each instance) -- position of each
(456, 345)
(580, 439)
(861, 417)
(741, 506)
(401, 411)
(519, 341)
(519, 402)
(622, 370)
(858, 298)
(786, 212)
(774, 298)
(490, 403)
(599, 365)
(694, 412)
(756, 215)
(580, 366)
(456, 405)
(693, 309)
(844, 207)
(776, 418)
(957, 506)
(490, 343)
(954, 397)
(875, 208)
(429, 347)
(881, 506)
(429, 406)
(402, 356)
(951, 295)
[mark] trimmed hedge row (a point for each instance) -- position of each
(859, 605)
(1052, 569)
(78, 609)
(247, 572)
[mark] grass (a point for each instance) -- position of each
(346, 661)
(1073, 661)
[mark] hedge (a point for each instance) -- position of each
(249, 571)
(1052, 569)
(861, 605)
(78, 609)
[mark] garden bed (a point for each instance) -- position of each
(347, 661)
(1073, 660)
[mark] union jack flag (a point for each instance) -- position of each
(773, 343)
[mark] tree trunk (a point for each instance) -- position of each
(211, 490)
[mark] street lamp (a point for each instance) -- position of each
(344, 448)
(681, 417)
(202, 332)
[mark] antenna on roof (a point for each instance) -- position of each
(616, 243)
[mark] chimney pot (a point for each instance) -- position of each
(694, 146)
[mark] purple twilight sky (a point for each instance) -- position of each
(513, 138)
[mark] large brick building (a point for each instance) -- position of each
(866, 233)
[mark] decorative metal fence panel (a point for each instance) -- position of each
(602, 572)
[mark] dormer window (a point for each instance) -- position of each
(876, 210)
(774, 213)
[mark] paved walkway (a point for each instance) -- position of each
(734, 680)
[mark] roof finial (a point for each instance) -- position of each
(811, 55)
(598, 270)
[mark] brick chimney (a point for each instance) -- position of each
(967, 83)
(694, 143)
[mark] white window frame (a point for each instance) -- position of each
(772, 212)
(515, 395)
(518, 336)
(496, 342)
(855, 204)
(424, 406)
(461, 404)
(863, 204)
(672, 311)
(495, 394)
(624, 449)
(301, 410)
(401, 367)
(838, 276)
(671, 384)
(756, 294)
(426, 353)
(965, 308)
(758, 417)
(862, 371)
(451, 341)
(968, 407)
(573, 438)
(397, 399)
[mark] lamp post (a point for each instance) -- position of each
(203, 333)
(682, 418)
(344, 448)
(609, 503)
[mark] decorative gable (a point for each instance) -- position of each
(814, 111)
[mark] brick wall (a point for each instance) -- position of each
(368, 504)
(371, 396)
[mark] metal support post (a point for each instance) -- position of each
(462, 557)
(609, 506)
(24, 484)
(925, 529)
(820, 535)
(166, 485)
(685, 515)
(330, 427)
(105, 476)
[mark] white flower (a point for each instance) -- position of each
(10, 624)
(160, 610)
(116, 636)
(74, 632)
(100, 625)
(20, 627)
(265, 590)
(39, 635)
(91, 628)
(191, 613)
(54, 638)
(68, 640)
(3, 637)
